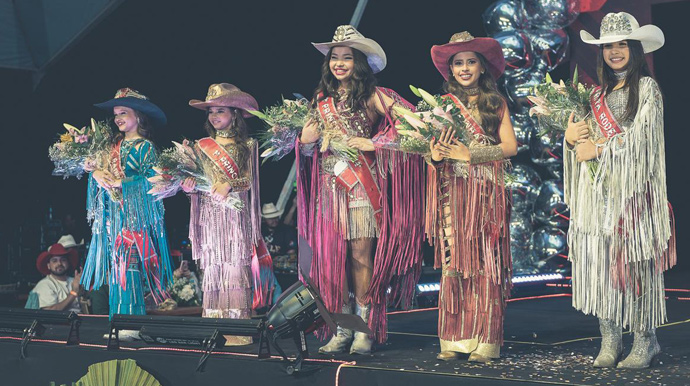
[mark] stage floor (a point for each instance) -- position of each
(547, 342)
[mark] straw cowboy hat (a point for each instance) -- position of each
(348, 36)
(68, 241)
(127, 97)
(464, 41)
(270, 211)
(56, 250)
(227, 95)
(616, 27)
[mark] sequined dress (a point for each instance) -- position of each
(223, 238)
(621, 234)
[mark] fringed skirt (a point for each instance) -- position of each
(222, 246)
(351, 212)
(630, 294)
(130, 299)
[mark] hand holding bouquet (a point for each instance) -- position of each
(285, 122)
(81, 150)
(178, 163)
(433, 114)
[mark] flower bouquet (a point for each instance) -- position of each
(433, 114)
(553, 103)
(80, 150)
(184, 292)
(285, 122)
(179, 163)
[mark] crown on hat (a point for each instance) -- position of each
(615, 24)
(346, 32)
(128, 92)
(461, 37)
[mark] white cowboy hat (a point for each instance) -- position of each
(616, 27)
(68, 241)
(348, 36)
(269, 210)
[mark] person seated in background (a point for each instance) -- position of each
(280, 238)
(57, 291)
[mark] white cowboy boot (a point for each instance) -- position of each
(611, 343)
(645, 347)
(362, 343)
(341, 339)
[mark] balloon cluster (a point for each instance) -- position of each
(531, 35)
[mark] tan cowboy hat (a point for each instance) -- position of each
(269, 210)
(616, 27)
(227, 95)
(68, 241)
(464, 41)
(56, 250)
(348, 36)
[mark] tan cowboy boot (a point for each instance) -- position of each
(341, 339)
(362, 343)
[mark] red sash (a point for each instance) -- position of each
(220, 157)
(115, 165)
(602, 113)
(357, 172)
(472, 125)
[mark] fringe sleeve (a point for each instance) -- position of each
(631, 178)
(571, 171)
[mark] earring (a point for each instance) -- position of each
(138, 121)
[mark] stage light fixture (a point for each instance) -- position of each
(29, 323)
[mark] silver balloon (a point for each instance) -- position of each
(524, 187)
(549, 207)
(546, 148)
(501, 16)
(523, 130)
(548, 242)
(556, 170)
(549, 14)
(518, 87)
(550, 46)
(517, 51)
(520, 234)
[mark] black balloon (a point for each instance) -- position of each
(501, 16)
(546, 148)
(550, 46)
(523, 128)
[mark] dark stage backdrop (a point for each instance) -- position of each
(172, 51)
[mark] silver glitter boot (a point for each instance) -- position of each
(362, 343)
(645, 347)
(611, 343)
(341, 339)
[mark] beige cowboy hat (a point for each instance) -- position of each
(348, 36)
(269, 210)
(227, 95)
(68, 241)
(616, 27)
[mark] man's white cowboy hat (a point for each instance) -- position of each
(348, 36)
(68, 241)
(269, 210)
(616, 27)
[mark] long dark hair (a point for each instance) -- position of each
(490, 102)
(144, 127)
(362, 81)
(636, 69)
(240, 126)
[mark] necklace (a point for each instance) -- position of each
(226, 133)
(620, 75)
(472, 91)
